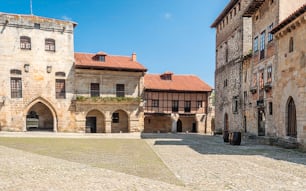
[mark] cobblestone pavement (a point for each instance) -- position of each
(200, 162)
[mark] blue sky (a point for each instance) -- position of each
(167, 35)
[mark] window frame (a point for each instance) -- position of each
(94, 90)
(175, 105)
(120, 90)
(262, 47)
(270, 35)
(50, 45)
(155, 103)
(291, 44)
(255, 45)
(25, 43)
(187, 106)
(60, 93)
(16, 87)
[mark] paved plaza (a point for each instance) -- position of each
(200, 162)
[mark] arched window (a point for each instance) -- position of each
(50, 44)
(291, 118)
(291, 44)
(25, 43)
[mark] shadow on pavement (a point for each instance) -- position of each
(214, 145)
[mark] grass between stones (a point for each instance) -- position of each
(131, 156)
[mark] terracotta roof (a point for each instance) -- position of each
(90, 61)
(289, 19)
(229, 6)
(177, 83)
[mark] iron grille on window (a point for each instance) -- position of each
(50, 45)
(60, 89)
(25, 43)
(16, 88)
(120, 90)
(94, 90)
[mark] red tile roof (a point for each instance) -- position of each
(290, 18)
(177, 83)
(125, 63)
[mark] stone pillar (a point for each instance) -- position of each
(174, 119)
(200, 119)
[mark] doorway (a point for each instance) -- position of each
(261, 122)
(179, 126)
(91, 125)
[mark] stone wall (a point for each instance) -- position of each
(290, 79)
(38, 84)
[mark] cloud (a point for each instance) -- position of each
(168, 16)
(66, 18)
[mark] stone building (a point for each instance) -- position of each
(108, 93)
(36, 74)
(46, 86)
(260, 68)
(176, 103)
(233, 41)
(289, 98)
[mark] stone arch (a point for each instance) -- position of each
(45, 115)
(291, 122)
(120, 121)
(95, 122)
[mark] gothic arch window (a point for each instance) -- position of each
(291, 118)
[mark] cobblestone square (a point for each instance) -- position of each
(200, 162)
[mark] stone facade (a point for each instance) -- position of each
(233, 40)
(104, 105)
(290, 78)
(261, 68)
(30, 66)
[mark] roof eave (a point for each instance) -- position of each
(229, 6)
(253, 7)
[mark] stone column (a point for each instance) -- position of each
(174, 119)
(200, 119)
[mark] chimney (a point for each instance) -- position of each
(134, 57)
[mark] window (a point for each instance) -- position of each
(25, 43)
(245, 76)
(36, 26)
(50, 45)
(60, 89)
(115, 118)
(261, 79)
(254, 82)
(15, 72)
(101, 58)
(255, 44)
(16, 88)
(175, 105)
(235, 104)
(270, 108)
(199, 104)
(269, 74)
(94, 89)
(270, 35)
(262, 44)
(155, 103)
(120, 90)
(291, 43)
(235, 11)
(245, 97)
(226, 52)
(60, 74)
(225, 83)
(187, 107)
(239, 6)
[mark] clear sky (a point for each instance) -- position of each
(167, 35)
